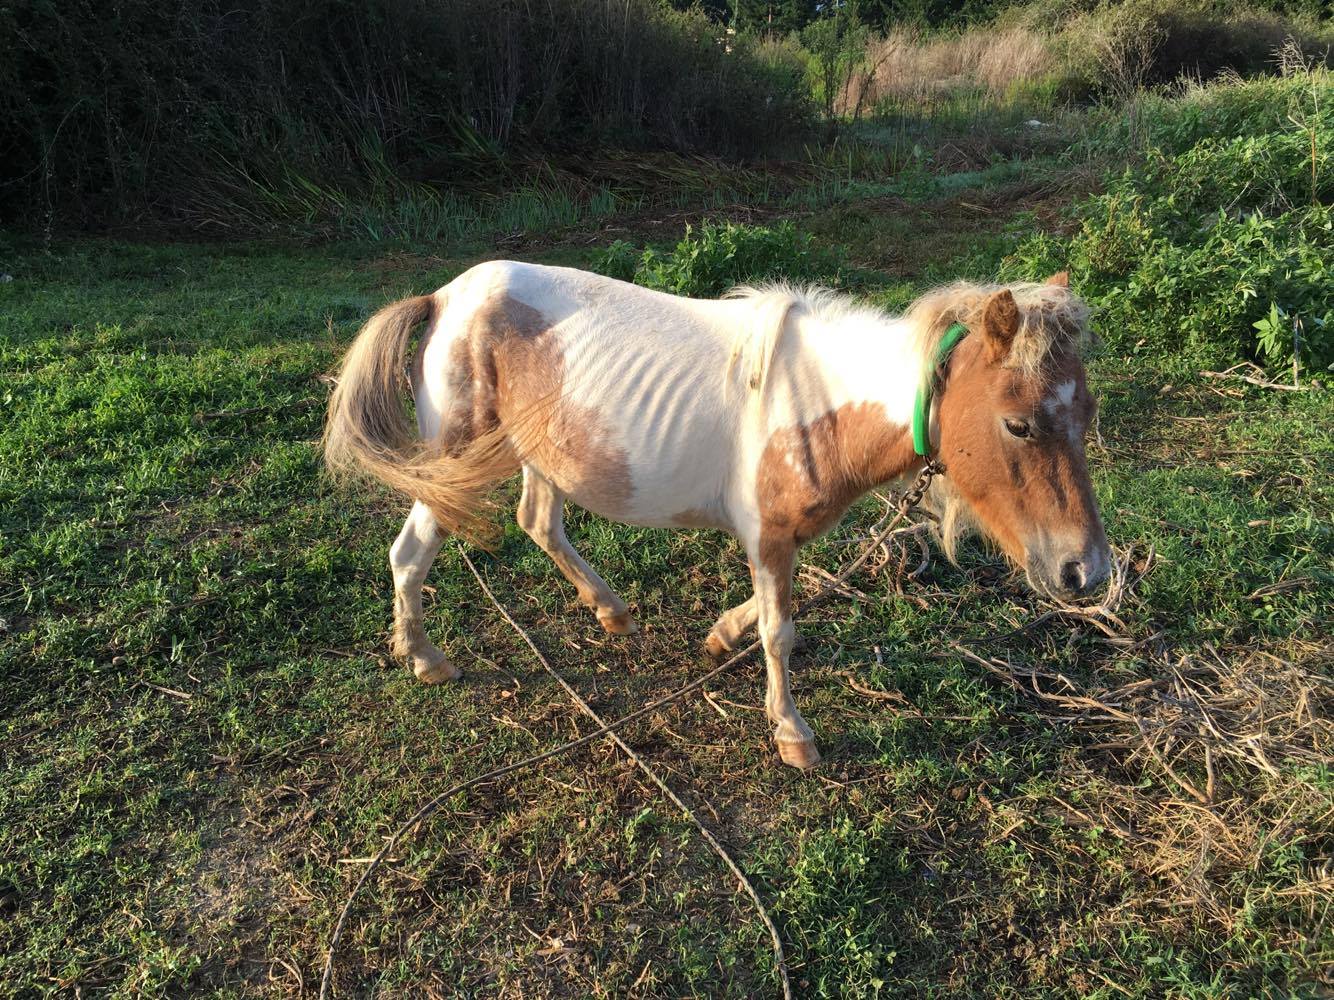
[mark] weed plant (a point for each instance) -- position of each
(1218, 242)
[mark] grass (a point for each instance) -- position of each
(200, 722)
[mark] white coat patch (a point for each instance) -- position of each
(1060, 403)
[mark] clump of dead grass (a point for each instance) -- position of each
(1205, 766)
(911, 68)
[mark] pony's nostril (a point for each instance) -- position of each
(1072, 576)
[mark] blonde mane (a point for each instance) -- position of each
(755, 344)
(1051, 319)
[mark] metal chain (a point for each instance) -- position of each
(913, 495)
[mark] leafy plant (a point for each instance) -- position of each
(722, 255)
(1219, 241)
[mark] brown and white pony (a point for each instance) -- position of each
(765, 414)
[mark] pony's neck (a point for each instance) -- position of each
(872, 366)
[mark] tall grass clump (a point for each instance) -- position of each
(139, 107)
(911, 69)
(1219, 243)
(1117, 49)
(722, 255)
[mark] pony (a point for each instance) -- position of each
(765, 413)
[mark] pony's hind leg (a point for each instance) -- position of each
(410, 558)
(542, 516)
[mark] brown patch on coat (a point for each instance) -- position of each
(507, 368)
(809, 475)
(698, 517)
(1016, 487)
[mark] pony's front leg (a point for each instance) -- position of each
(773, 601)
(730, 627)
(410, 558)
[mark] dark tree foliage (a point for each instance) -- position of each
(110, 108)
(777, 17)
(882, 14)
(715, 10)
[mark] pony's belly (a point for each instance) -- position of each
(649, 507)
(660, 489)
(686, 517)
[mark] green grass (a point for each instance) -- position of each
(200, 719)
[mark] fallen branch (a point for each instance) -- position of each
(1255, 379)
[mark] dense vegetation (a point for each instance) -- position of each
(387, 117)
(192, 110)
(1220, 241)
(793, 15)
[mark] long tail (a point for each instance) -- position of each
(368, 431)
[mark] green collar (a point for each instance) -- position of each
(921, 414)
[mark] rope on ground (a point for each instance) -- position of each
(433, 805)
(780, 962)
(910, 499)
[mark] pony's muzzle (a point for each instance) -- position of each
(1074, 577)
(1074, 574)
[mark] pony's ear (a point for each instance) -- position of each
(1061, 279)
(1000, 322)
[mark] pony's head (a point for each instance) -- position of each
(1012, 413)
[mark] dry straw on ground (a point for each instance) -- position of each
(1205, 762)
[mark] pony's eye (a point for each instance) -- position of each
(1019, 428)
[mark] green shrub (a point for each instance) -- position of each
(1219, 249)
(619, 261)
(1174, 121)
(723, 255)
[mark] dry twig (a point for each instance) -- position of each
(1255, 377)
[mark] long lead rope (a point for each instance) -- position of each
(910, 499)
(780, 962)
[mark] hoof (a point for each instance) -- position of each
(796, 754)
(622, 624)
(716, 647)
(435, 668)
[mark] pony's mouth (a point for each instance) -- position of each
(1068, 577)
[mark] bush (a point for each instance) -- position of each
(1164, 263)
(1123, 46)
(722, 256)
(107, 110)
(1045, 53)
